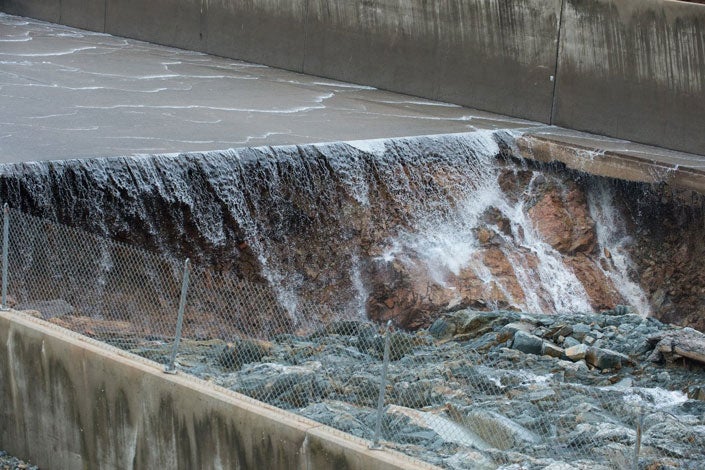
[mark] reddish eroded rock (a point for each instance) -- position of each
(600, 288)
(562, 217)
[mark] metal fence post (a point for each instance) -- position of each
(5, 250)
(171, 368)
(637, 444)
(382, 389)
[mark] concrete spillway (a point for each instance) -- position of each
(418, 206)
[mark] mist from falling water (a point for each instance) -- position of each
(447, 244)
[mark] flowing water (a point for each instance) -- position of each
(368, 227)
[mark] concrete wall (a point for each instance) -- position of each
(67, 403)
(496, 55)
(632, 69)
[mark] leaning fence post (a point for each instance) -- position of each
(5, 249)
(171, 368)
(382, 389)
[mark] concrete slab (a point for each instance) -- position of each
(70, 93)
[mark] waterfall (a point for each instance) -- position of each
(369, 227)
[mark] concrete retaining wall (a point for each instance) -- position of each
(632, 69)
(68, 403)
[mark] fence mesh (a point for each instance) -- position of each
(446, 398)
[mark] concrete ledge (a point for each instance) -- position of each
(601, 161)
(68, 402)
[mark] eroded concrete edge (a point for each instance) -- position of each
(67, 401)
(611, 164)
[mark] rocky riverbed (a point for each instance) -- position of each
(8, 462)
(485, 389)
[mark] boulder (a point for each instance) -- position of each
(576, 353)
(687, 343)
(527, 343)
(605, 358)
(442, 329)
(550, 349)
(243, 351)
(507, 331)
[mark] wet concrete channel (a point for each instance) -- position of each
(69, 93)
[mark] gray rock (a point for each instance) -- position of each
(580, 330)
(498, 430)
(508, 331)
(442, 329)
(242, 351)
(605, 358)
(527, 343)
(48, 308)
(550, 349)
(570, 342)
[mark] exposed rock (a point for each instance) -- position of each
(244, 351)
(442, 329)
(527, 343)
(496, 430)
(550, 349)
(507, 332)
(576, 353)
(605, 358)
(450, 398)
(687, 343)
(580, 330)
(563, 219)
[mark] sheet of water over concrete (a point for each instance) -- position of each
(70, 93)
(69, 403)
(634, 69)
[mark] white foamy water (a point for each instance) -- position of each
(614, 241)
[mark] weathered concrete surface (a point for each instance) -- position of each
(86, 14)
(171, 22)
(614, 158)
(634, 69)
(631, 69)
(69, 403)
(46, 10)
(74, 94)
(271, 32)
(495, 55)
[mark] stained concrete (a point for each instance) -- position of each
(70, 403)
(69, 93)
(173, 22)
(496, 55)
(634, 69)
(271, 32)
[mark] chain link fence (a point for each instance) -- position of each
(461, 394)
